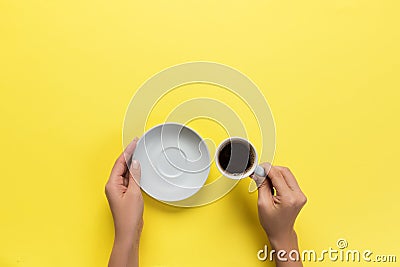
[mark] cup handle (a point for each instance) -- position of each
(259, 177)
(259, 171)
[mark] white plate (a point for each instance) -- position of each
(174, 160)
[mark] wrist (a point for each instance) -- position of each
(124, 239)
(286, 241)
(126, 233)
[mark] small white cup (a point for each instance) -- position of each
(237, 168)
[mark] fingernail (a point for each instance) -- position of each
(136, 138)
(135, 164)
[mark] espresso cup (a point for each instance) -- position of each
(237, 158)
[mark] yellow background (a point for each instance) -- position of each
(68, 69)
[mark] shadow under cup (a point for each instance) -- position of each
(236, 158)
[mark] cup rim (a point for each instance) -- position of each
(242, 175)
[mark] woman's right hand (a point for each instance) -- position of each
(277, 213)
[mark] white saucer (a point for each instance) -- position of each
(174, 160)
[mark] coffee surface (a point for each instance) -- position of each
(236, 157)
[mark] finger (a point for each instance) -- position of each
(278, 182)
(116, 180)
(126, 180)
(119, 180)
(121, 162)
(118, 170)
(134, 175)
(289, 178)
(128, 152)
(264, 192)
(130, 149)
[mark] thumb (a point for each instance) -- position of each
(134, 175)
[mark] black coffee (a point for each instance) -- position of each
(236, 157)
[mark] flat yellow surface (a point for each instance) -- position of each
(68, 69)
